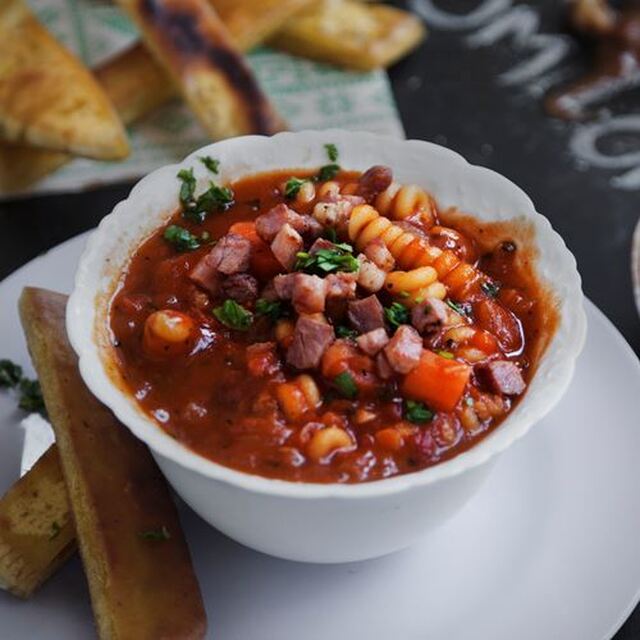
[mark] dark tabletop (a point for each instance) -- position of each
(453, 92)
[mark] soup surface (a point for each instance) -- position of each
(326, 326)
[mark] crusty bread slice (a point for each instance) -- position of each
(135, 84)
(351, 34)
(135, 557)
(36, 531)
(47, 97)
(188, 38)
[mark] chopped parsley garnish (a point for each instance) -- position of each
(211, 163)
(10, 374)
(346, 385)
(332, 151)
(156, 534)
(446, 354)
(55, 530)
(233, 315)
(463, 308)
(396, 315)
(331, 234)
(345, 332)
(271, 309)
(292, 187)
(339, 258)
(31, 396)
(215, 198)
(182, 239)
(328, 172)
(188, 186)
(417, 412)
(492, 289)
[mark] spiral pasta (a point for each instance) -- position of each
(416, 285)
(399, 202)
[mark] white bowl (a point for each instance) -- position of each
(322, 522)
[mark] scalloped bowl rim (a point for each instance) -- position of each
(557, 363)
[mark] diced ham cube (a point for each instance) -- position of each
(311, 338)
(503, 376)
(335, 210)
(404, 349)
(341, 285)
(319, 244)
(283, 285)
(373, 341)
(374, 180)
(269, 224)
(366, 315)
(205, 275)
(286, 245)
(378, 253)
(230, 255)
(429, 316)
(383, 368)
(370, 277)
(241, 287)
(309, 293)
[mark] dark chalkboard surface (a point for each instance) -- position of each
(476, 86)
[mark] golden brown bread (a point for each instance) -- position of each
(188, 38)
(351, 34)
(47, 97)
(142, 589)
(251, 22)
(36, 531)
(135, 84)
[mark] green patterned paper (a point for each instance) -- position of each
(308, 95)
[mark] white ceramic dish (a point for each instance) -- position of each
(323, 523)
(547, 549)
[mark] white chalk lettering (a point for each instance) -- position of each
(584, 146)
(440, 19)
(522, 24)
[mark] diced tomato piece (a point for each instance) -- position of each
(263, 263)
(438, 381)
(484, 341)
(494, 318)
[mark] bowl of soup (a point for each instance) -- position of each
(326, 338)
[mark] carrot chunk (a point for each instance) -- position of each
(438, 381)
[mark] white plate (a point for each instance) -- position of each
(549, 548)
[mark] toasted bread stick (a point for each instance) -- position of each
(47, 96)
(188, 38)
(135, 84)
(36, 531)
(351, 34)
(135, 557)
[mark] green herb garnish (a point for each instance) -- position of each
(211, 163)
(55, 530)
(31, 396)
(397, 314)
(10, 374)
(271, 309)
(182, 239)
(331, 234)
(346, 385)
(446, 354)
(156, 534)
(492, 289)
(188, 186)
(463, 309)
(339, 258)
(328, 172)
(292, 187)
(332, 151)
(215, 198)
(233, 315)
(417, 412)
(345, 332)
